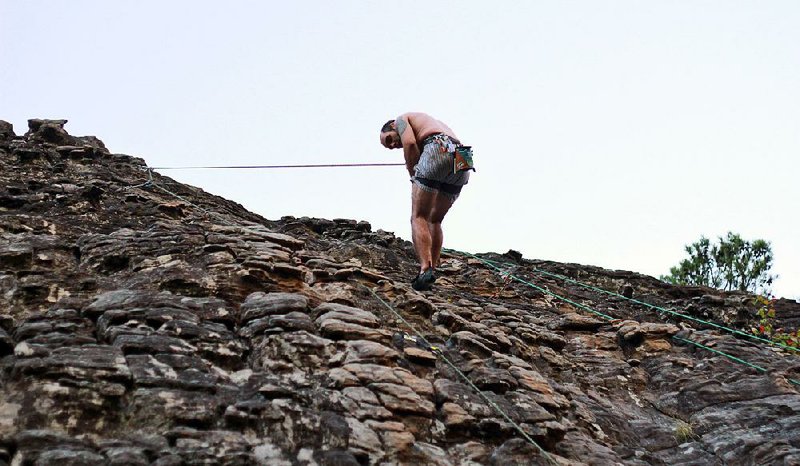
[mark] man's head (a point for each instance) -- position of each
(390, 138)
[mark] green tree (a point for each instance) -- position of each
(730, 264)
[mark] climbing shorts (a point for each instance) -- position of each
(434, 171)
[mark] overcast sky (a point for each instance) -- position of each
(608, 133)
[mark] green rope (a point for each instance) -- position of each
(488, 400)
(739, 360)
(413, 329)
(651, 306)
(581, 306)
(659, 308)
(731, 357)
(543, 290)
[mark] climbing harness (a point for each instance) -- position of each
(462, 155)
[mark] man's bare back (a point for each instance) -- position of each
(408, 132)
(425, 125)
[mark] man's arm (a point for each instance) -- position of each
(409, 140)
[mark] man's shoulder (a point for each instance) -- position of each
(415, 116)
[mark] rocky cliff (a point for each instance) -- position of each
(143, 321)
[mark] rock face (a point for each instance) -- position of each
(137, 327)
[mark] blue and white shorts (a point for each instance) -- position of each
(434, 171)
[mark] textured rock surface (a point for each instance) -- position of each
(137, 328)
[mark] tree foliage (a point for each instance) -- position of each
(730, 264)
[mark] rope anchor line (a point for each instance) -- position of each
(659, 309)
(247, 167)
(420, 338)
(491, 264)
(672, 312)
(438, 352)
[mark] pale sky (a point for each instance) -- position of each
(607, 133)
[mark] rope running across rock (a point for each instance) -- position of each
(492, 265)
(434, 349)
(506, 274)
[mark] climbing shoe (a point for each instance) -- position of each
(424, 281)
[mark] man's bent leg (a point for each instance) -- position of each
(441, 205)
(437, 238)
(422, 203)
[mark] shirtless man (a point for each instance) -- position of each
(428, 146)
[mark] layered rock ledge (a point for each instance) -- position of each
(137, 328)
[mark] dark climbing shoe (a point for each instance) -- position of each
(424, 281)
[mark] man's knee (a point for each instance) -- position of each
(436, 220)
(420, 221)
(436, 216)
